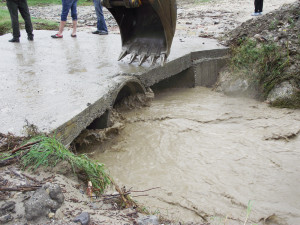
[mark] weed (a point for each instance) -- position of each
(49, 151)
(201, 1)
(249, 209)
(291, 22)
(273, 24)
(262, 64)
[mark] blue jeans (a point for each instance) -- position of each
(101, 25)
(66, 6)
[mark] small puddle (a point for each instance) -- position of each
(209, 154)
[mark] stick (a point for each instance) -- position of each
(9, 161)
(147, 190)
(31, 178)
(21, 188)
(23, 147)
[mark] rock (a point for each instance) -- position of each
(281, 91)
(230, 85)
(148, 220)
(83, 218)
(7, 207)
(44, 200)
(5, 219)
(51, 215)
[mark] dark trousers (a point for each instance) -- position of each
(258, 4)
(13, 7)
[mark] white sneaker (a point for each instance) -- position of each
(255, 14)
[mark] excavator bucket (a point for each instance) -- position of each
(147, 27)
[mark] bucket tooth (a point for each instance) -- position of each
(142, 59)
(163, 59)
(132, 58)
(122, 55)
(145, 24)
(152, 59)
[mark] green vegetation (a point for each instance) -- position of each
(274, 24)
(5, 23)
(38, 24)
(48, 152)
(201, 1)
(263, 64)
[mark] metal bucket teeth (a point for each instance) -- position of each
(143, 57)
(122, 55)
(146, 28)
(152, 59)
(132, 58)
(163, 59)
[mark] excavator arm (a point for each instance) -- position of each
(147, 27)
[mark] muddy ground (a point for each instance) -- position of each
(195, 17)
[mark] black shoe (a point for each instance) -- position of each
(103, 32)
(96, 32)
(30, 37)
(14, 40)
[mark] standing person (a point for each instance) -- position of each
(66, 6)
(258, 5)
(13, 7)
(101, 25)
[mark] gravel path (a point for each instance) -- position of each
(210, 19)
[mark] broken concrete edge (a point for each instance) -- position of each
(137, 83)
(68, 131)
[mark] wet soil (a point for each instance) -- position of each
(210, 155)
(195, 17)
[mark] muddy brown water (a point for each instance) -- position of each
(210, 155)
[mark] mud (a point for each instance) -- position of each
(210, 155)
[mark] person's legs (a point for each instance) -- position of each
(74, 17)
(13, 11)
(101, 25)
(260, 7)
(23, 8)
(64, 13)
(256, 5)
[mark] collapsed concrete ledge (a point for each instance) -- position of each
(62, 86)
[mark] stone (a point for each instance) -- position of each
(281, 91)
(5, 219)
(7, 207)
(148, 220)
(46, 199)
(83, 218)
(51, 215)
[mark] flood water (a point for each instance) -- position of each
(210, 155)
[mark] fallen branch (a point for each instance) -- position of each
(31, 178)
(21, 188)
(9, 161)
(14, 159)
(128, 202)
(24, 147)
(146, 190)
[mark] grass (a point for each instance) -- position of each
(38, 24)
(201, 1)
(5, 22)
(49, 152)
(262, 64)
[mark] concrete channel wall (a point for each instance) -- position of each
(63, 86)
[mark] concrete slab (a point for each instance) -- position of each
(54, 83)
